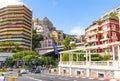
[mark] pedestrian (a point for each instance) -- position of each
(2, 77)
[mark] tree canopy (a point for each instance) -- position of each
(36, 38)
(9, 46)
(66, 43)
(24, 55)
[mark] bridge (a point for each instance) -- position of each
(50, 50)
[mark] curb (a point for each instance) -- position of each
(94, 78)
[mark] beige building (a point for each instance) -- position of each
(15, 25)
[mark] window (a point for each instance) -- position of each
(64, 71)
(78, 73)
(100, 75)
(105, 28)
(114, 34)
(113, 27)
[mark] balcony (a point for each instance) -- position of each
(102, 31)
(91, 33)
(93, 64)
(104, 39)
(114, 37)
(92, 40)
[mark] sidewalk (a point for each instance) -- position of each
(47, 72)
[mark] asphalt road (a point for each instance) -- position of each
(45, 76)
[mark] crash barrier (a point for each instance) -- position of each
(11, 78)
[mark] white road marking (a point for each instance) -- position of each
(51, 76)
(34, 78)
(63, 79)
(74, 80)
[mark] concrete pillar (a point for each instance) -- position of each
(77, 56)
(88, 72)
(86, 56)
(69, 56)
(60, 57)
(70, 71)
(113, 53)
(118, 56)
(89, 56)
(118, 53)
(59, 70)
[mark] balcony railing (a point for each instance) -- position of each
(92, 40)
(92, 33)
(101, 63)
(88, 63)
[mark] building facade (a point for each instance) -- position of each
(48, 31)
(15, 25)
(104, 31)
(100, 34)
(103, 38)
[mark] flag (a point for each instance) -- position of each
(55, 49)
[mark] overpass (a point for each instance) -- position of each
(50, 50)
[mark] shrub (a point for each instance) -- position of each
(106, 57)
(3, 70)
(96, 57)
(19, 74)
(65, 57)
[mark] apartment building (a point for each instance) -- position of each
(102, 37)
(15, 25)
(103, 33)
(48, 31)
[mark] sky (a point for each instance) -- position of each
(71, 16)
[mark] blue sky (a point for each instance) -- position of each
(71, 16)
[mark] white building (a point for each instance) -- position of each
(107, 69)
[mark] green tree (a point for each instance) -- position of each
(38, 61)
(46, 61)
(114, 16)
(9, 46)
(9, 62)
(66, 43)
(36, 38)
(73, 45)
(24, 55)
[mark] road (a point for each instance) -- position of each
(45, 76)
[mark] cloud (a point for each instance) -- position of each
(77, 30)
(4, 3)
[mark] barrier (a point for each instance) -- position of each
(11, 78)
(54, 70)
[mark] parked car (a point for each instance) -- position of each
(10, 69)
(32, 69)
(23, 71)
(38, 69)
